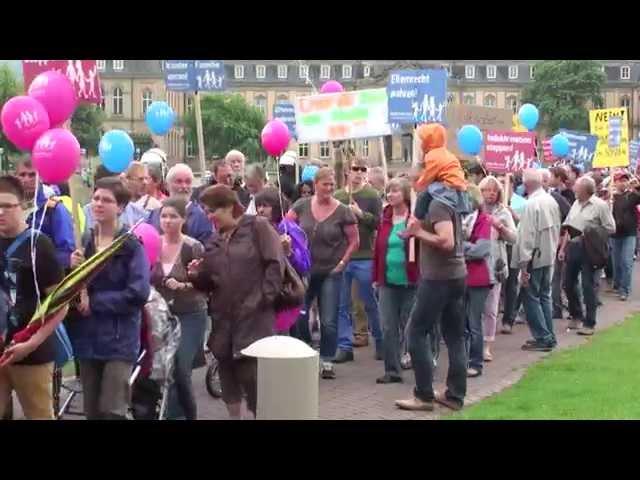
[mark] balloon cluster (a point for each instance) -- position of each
(34, 123)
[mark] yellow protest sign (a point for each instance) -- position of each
(610, 125)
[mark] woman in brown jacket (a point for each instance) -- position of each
(243, 269)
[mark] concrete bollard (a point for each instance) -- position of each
(287, 378)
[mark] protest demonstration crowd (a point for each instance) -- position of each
(155, 269)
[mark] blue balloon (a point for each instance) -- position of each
(309, 172)
(160, 117)
(560, 145)
(528, 116)
(470, 140)
(116, 150)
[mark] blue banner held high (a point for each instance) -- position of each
(286, 112)
(634, 153)
(417, 96)
(179, 75)
(209, 75)
(582, 148)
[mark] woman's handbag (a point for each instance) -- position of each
(293, 290)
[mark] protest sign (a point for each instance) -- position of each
(83, 74)
(286, 112)
(507, 151)
(417, 96)
(485, 118)
(611, 127)
(179, 75)
(547, 151)
(194, 75)
(634, 152)
(209, 75)
(582, 148)
(342, 116)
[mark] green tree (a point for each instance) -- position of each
(10, 86)
(86, 125)
(563, 90)
(228, 122)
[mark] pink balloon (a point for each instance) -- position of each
(56, 155)
(23, 120)
(331, 87)
(56, 93)
(275, 137)
(150, 239)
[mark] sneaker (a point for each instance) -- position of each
(389, 378)
(586, 331)
(414, 404)
(343, 356)
(536, 347)
(574, 324)
(473, 373)
(623, 298)
(520, 320)
(327, 372)
(405, 362)
(507, 329)
(487, 356)
(442, 399)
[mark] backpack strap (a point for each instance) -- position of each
(19, 240)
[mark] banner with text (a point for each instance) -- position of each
(582, 148)
(634, 153)
(485, 118)
(611, 127)
(507, 151)
(194, 75)
(286, 112)
(417, 96)
(342, 116)
(82, 73)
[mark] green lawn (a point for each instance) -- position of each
(600, 380)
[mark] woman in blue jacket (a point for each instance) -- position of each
(107, 341)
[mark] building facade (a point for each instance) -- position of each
(129, 86)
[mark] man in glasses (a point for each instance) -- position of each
(27, 367)
(136, 180)
(365, 203)
(57, 223)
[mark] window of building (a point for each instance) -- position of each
(282, 71)
(625, 73)
(366, 71)
(491, 72)
(532, 72)
(447, 67)
(189, 104)
(282, 97)
(118, 101)
(191, 150)
(261, 103)
(325, 71)
(490, 101)
(512, 103)
(513, 72)
(261, 71)
(346, 71)
(365, 147)
(469, 99)
(118, 65)
(625, 101)
(238, 71)
(324, 150)
(147, 99)
(103, 101)
(303, 71)
(303, 150)
(100, 64)
(470, 71)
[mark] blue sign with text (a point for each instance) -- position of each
(417, 96)
(634, 152)
(286, 112)
(179, 75)
(209, 75)
(582, 148)
(194, 75)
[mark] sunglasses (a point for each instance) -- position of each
(359, 169)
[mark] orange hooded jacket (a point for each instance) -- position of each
(440, 165)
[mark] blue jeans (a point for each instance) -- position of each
(622, 256)
(443, 302)
(578, 266)
(396, 303)
(182, 402)
(476, 299)
(361, 271)
(537, 306)
(326, 287)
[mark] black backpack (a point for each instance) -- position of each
(596, 246)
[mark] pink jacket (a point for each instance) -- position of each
(477, 252)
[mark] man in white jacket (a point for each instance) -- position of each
(534, 255)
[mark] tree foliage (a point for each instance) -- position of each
(86, 125)
(10, 86)
(563, 91)
(228, 122)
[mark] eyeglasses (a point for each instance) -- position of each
(8, 206)
(27, 174)
(359, 169)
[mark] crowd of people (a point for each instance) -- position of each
(475, 247)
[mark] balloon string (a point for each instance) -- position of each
(286, 231)
(33, 251)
